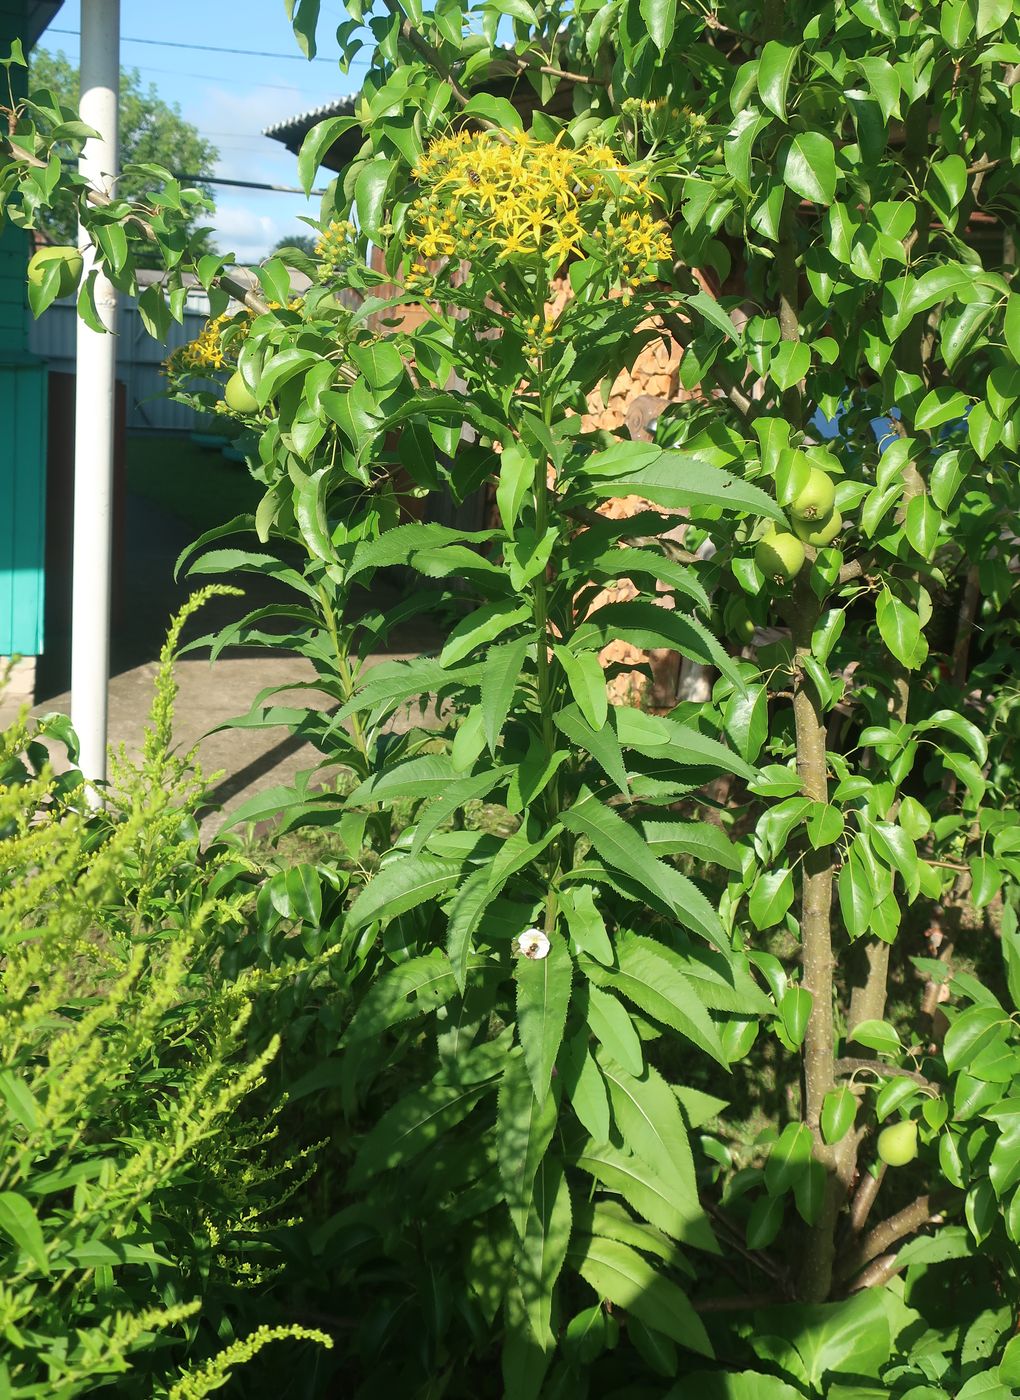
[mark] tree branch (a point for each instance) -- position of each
(438, 64)
(905, 1222)
(864, 1198)
(683, 333)
(848, 1065)
(523, 65)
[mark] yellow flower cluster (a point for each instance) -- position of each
(204, 352)
(207, 353)
(335, 248)
(489, 200)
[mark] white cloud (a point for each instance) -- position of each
(249, 222)
(245, 231)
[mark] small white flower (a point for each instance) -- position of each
(533, 943)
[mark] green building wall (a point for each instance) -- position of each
(22, 433)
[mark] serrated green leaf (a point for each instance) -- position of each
(585, 1087)
(481, 626)
(585, 924)
(412, 1125)
(651, 1124)
(622, 846)
(602, 744)
(647, 978)
(543, 996)
(612, 1027)
(401, 885)
(501, 673)
(524, 1129)
(587, 682)
(411, 989)
(622, 1276)
(543, 1246)
(672, 479)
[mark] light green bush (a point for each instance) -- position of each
(135, 1193)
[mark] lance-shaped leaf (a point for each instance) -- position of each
(584, 1086)
(456, 794)
(408, 990)
(500, 675)
(672, 479)
(399, 545)
(652, 1126)
(707, 843)
(413, 1124)
(653, 984)
(619, 1274)
(661, 737)
(543, 1245)
(543, 996)
(401, 885)
(645, 1192)
(463, 916)
(624, 848)
(600, 743)
(481, 626)
(415, 778)
(635, 563)
(612, 1027)
(647, 625)
(395, 681)
(524, 1129)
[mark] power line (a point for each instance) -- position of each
(204, 48)
(215, 78)
(244, 184)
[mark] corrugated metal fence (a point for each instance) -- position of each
(139, 358)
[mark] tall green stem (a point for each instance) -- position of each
(343, 670)
(546, 696)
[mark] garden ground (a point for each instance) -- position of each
(175, 491)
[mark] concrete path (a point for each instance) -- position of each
(250, 760)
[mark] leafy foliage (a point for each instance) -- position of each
(152, 132)
(539, 1019)
(136, 1197)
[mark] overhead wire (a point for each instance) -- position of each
(204, 48)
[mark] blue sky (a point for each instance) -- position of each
(231, 97)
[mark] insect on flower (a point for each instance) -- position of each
(533, 943)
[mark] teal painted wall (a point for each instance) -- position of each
(22, 435)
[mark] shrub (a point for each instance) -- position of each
(136, 1192)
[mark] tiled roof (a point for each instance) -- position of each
(341, 107)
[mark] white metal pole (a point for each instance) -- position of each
(95, 407)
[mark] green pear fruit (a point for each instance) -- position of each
(819, 533)
(738, 622)
(897, 1144)
(780, 556)
(238, 396)
(69, 260)
(816, 499)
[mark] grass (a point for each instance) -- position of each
(196, 484)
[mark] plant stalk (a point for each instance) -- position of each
(816, 944)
